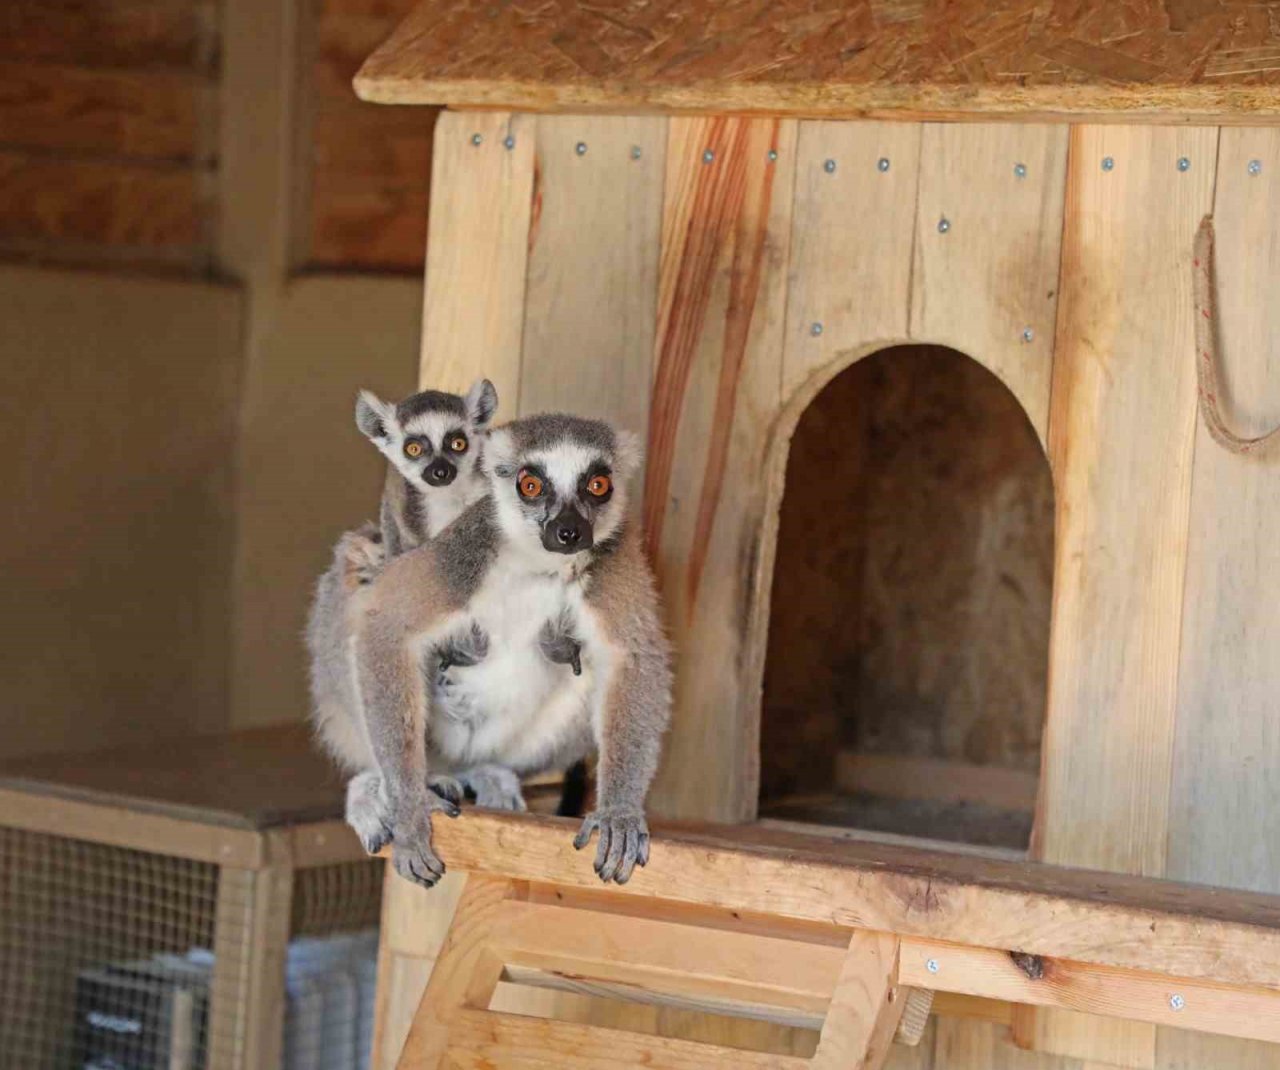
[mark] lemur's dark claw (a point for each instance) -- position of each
(575, 659)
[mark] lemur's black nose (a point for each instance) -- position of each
(567, 533)
(440, 473)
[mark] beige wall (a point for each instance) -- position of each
(306, 473)
(116, 449)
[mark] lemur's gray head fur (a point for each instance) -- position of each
(432, 438)
(560, 483)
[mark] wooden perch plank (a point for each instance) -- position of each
(793, 57)
(1104, 919)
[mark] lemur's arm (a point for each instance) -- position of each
(404, 602)
(633, 708)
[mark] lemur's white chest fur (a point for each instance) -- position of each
(446, 504)
(516, 707)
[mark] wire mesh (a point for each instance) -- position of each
(95, 946)
(118, 959)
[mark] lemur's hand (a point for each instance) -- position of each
(624, 842)
(362, 555)
(411, 852)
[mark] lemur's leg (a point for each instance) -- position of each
(368, 811)
(494, 786)
(395, 707)
(560, 645)
(632, 707)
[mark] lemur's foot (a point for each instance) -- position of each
(367, 811)
(412, 854)
(447, 787)
(362, 554)
(559, 645)
(624, 842)
(494, 786)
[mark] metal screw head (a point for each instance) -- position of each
(1028, 335)
(1108, 164)
(1177, 1002)
(580, 148)
(635, 152)
(773, 155)
(815, 329)
(476, 139)
(829, 166)
(944, 225)
(931, 965)
(1255, 167)
(882, 164)
(1184, 164)
(1020, 170)
(509, 142)
(708, 156)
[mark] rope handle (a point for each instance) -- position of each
(1203, 280)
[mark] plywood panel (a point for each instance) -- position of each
(988, 236)
(477, 251)
(851, 245)
(1226, 772)
(109, 33)
(593, 268)
(716, 391)
(1121, 434)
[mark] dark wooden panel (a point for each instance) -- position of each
(110, 33)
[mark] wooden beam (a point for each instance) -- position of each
(1095, 918)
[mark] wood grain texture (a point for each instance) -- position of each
(851, 245)
(992, 274)
(1090, 917)
(477, 252)
(927, 58)
(1120, 441)
(866, 1006)
(1226, 770)
(591, 292)
(110, 33)
(716, 388)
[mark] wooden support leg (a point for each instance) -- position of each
(866, 1007)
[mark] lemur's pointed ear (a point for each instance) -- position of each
(374, 416)
(500, 453)
(629, 454)
(481, 402)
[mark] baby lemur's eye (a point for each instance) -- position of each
(458, 444)
(529, 484)
(599, 486)
(413, 449)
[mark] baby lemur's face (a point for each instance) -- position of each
(434, 439)
(560, 483)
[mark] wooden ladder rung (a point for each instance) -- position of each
(849, 993)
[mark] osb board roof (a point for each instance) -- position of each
(1160, 60)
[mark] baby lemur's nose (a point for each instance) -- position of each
(440, 473)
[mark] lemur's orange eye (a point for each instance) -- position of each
(458, 444)
(413, 449)
(600, 486)
(530, 485)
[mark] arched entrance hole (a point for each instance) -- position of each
(907, 657)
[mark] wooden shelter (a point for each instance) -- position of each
(688, 217)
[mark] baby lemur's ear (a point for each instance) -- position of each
(481, 402)
(628, 455)
(374, 416)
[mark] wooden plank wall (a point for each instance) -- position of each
(728, 263)
(108, 131)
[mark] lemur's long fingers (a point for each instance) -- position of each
(589, 824)
(642, 857)
(602, 846)
(630, 854)
(616, 862)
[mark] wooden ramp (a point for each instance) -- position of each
(829, 940)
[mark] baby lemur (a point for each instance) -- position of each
(545, 563)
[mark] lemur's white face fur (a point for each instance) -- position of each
(434, 439)
(560, 483)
